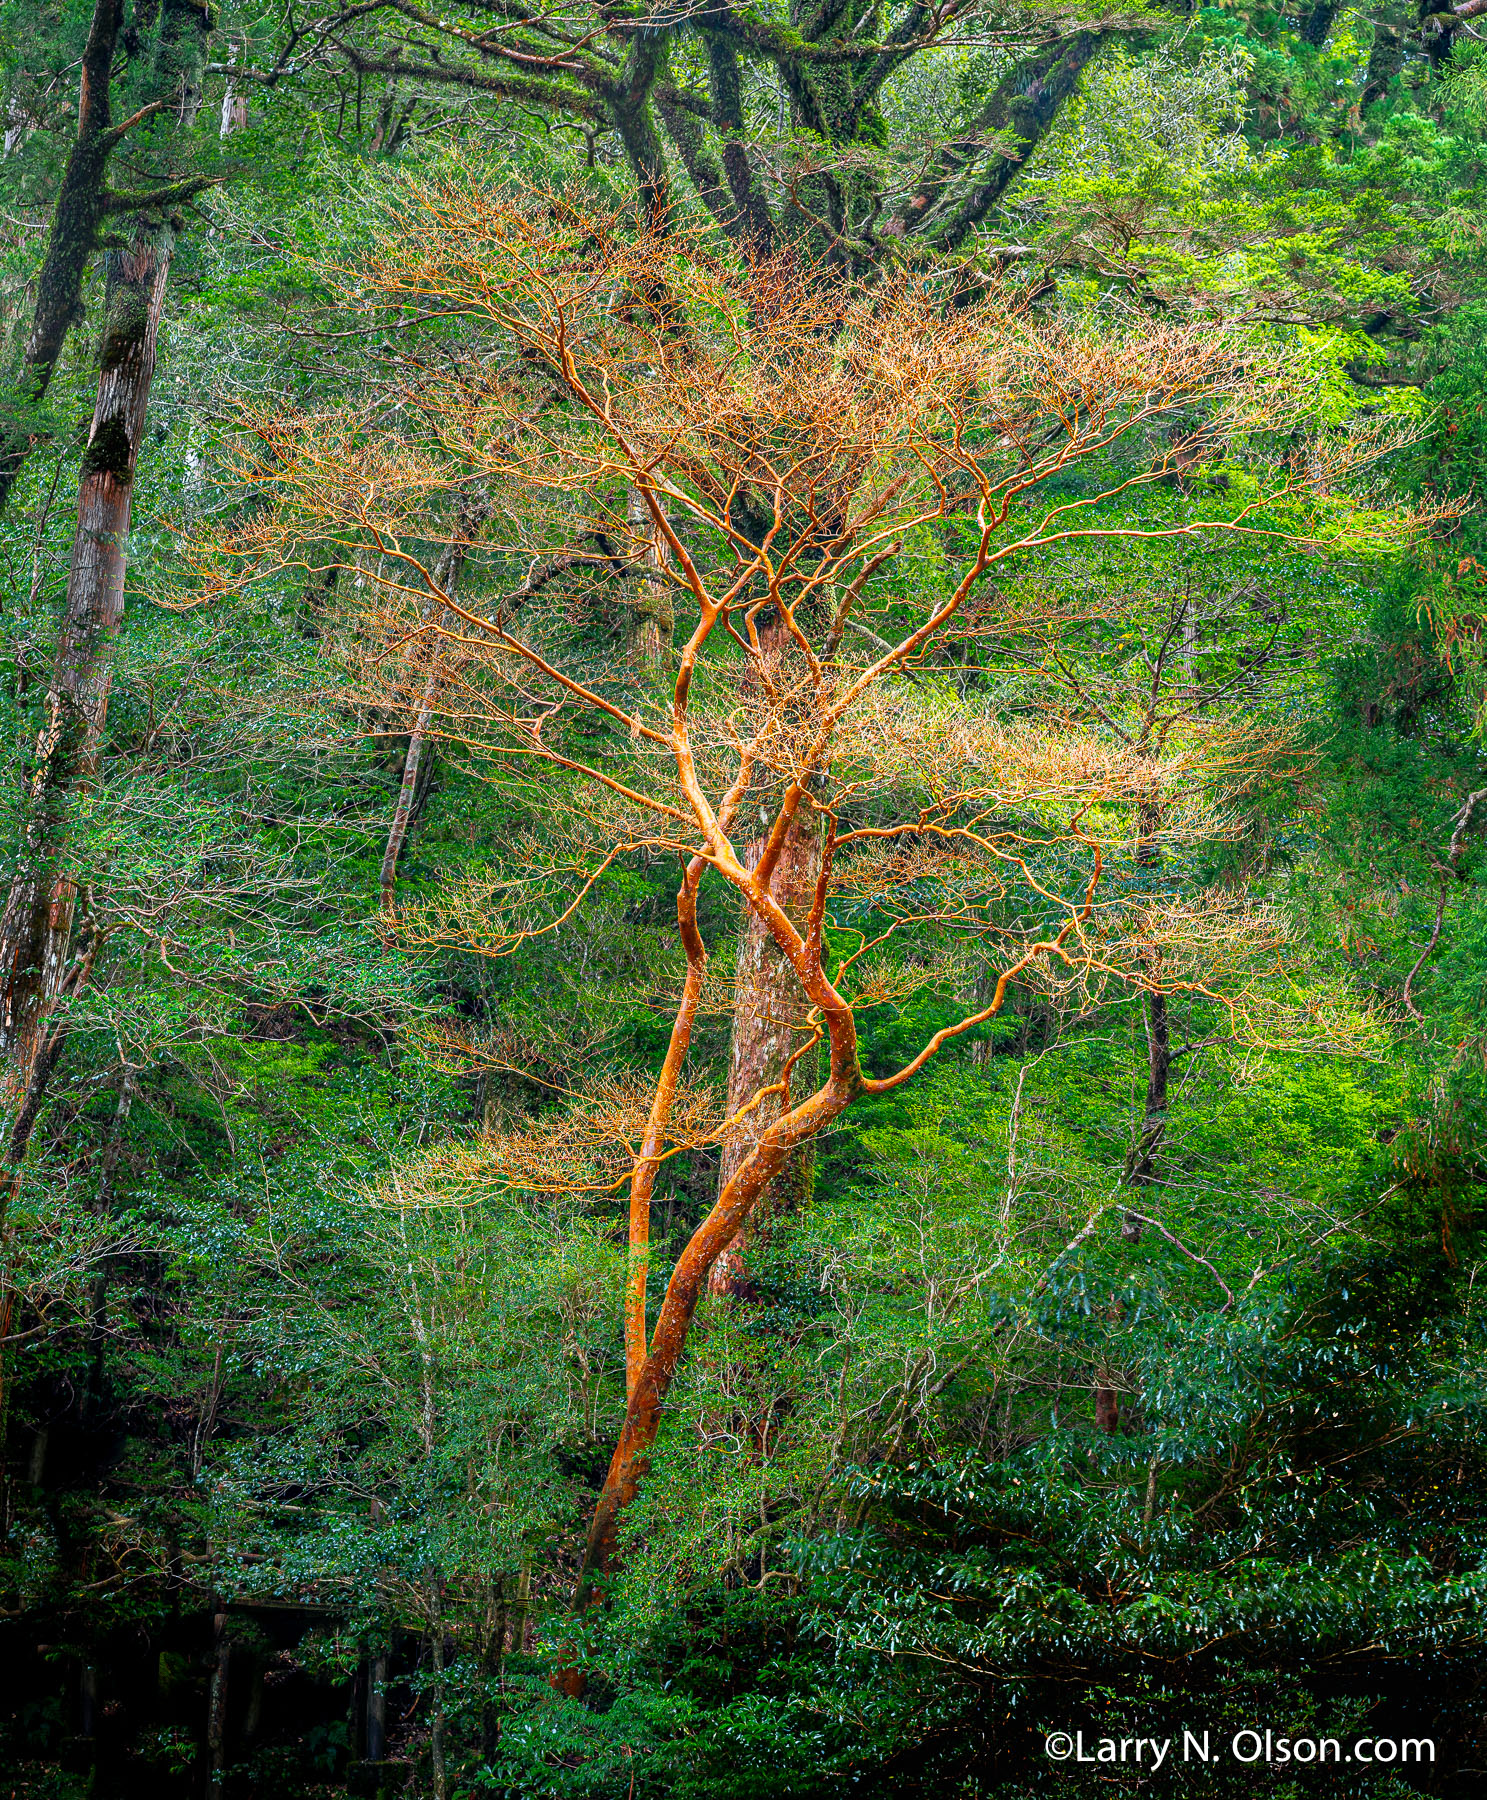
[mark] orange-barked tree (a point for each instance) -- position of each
(811, 457)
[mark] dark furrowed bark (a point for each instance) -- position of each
(73, 237)
(217, 1708)
(1318, 22)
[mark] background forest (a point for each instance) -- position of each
(744, 894)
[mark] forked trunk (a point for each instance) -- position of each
(683, 1292)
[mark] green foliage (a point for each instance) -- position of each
(283, 1343)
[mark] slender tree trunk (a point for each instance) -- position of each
(651, 624)
(253, 1717)
(471, 511)
(87, 1698)
(410, 789)
(643, 1178)
(436, 1655)
(492, 1662)
(377, 1707)
(36, 926)
(36, 931)
(1158, 1074)
(103, 1206)
(1141, 1164)
(36, 922)
(217, 1708)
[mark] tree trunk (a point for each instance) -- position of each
(87, 1699)
(253, 1717)
(521, 1612)
(782, 1139)
(769, 1009)
(377, 1707)
(36, 931)
(1158, 1072)
(412, 786)
(71, 242)
(436, 1655)
(84, 201)
(1385, 60)
(650, 626)
(946, 208)
(37, 923)
(1141, 1164)
(472, 509)
(103, 1206)
(688, 1280)
(217, 1709)
(409, 792)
